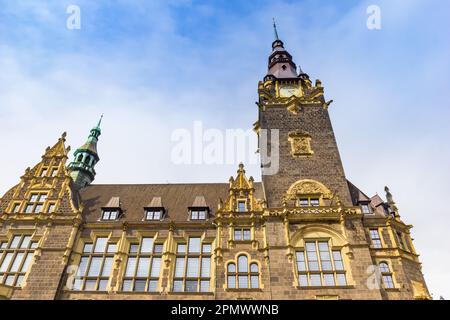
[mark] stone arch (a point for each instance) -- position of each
(308, 187)
(317, 231)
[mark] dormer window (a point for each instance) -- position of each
(110, 214)
(199, 209)
(112, 210)
(153, 214)
(365, 208)
(154, 210)
(198, 214)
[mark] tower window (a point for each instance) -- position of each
(386, 275)
(110, 214)
(318, 265)
(15, 259)
(15, 208)
(308, 202)
(143, 266)
(375, 238)
(283, 67)
(80, 158)
(192, 267)
(95, 265)
(245, 276)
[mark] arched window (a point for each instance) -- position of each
(245, 276)
(86, 160)
(386, 275)
(80, 158)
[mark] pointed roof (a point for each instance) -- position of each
(241, 181)
(280, 61)
(59, 149)
(155, 203)
(114, 202)
(91, 143)
(357, 195)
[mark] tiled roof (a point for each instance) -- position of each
(356, 194)
(177, 198)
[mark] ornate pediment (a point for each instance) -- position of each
(308, 187)
(241, 192)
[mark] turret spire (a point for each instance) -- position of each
(275, 30)
(86, 157)
(280, 61)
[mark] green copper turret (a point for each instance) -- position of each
(81, 169)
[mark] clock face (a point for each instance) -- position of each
(289, 91)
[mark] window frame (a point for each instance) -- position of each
(110, 211)
(313, 269)
(82, 277)
(37, 203)
(153, 211)
(242, 231)
(239, 276)
(9, 268)
(386, 275)
(194, 213)
(376, 242)
(308, 201)
(181, 276)
(150, 279)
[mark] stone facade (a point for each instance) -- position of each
(304, 232)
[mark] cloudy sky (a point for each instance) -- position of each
(153, 67)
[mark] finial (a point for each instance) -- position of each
(241, 167)
(275, 30)
(100, 121)
(64, 134)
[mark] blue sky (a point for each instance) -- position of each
(155, 66)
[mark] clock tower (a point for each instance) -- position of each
(293, 113)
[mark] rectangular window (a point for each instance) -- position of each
(318, 265)
(95, 266)
(198, 214)
(143, 266)
(375, 238)
(153, 215)
(110, 215)
(16, 256)
(242, 234)
(242, 206)
(192, 267)
(36, 202)
(15, 208)
(306, 202)
(365, 209)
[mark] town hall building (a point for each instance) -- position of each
(303, 232)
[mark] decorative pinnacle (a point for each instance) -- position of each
(275, 30)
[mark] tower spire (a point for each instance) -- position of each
(275, 30)
(85, 158)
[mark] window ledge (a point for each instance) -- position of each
(391, 289)
(243, 289)
(191, 293)
(324, 287)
